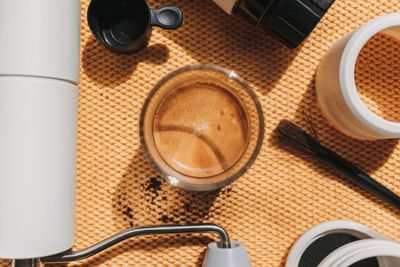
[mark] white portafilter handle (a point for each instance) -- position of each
(39, 71)
(236, 255)
(335, 85)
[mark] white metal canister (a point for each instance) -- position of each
(336, 89)
(39, 72)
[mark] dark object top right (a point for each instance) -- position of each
(290, 21)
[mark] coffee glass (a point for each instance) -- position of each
(201, 127)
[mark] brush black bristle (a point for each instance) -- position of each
(293, 138)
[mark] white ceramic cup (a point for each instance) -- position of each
(336, 90)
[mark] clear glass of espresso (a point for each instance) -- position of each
(201, 127)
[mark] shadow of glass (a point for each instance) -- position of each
(144, 198)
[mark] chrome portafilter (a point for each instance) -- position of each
(225, 253)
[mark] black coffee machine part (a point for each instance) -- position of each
(290, 21)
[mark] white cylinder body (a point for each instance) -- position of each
(337, 94)
(39, 70)
(38, 122)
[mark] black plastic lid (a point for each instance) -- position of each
(290, 21)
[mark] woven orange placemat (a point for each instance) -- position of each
(279, 198)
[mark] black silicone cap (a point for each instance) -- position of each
(291, 21)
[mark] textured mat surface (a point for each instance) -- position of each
(378, 76)
(278, 199)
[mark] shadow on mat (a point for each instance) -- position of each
(152, 243)
(106, 68)
(231, 42)
(367, 155)
(143, 198)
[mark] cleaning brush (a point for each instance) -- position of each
(293, 138)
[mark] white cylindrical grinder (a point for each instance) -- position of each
(39, 72)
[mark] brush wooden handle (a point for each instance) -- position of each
(357, 176)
